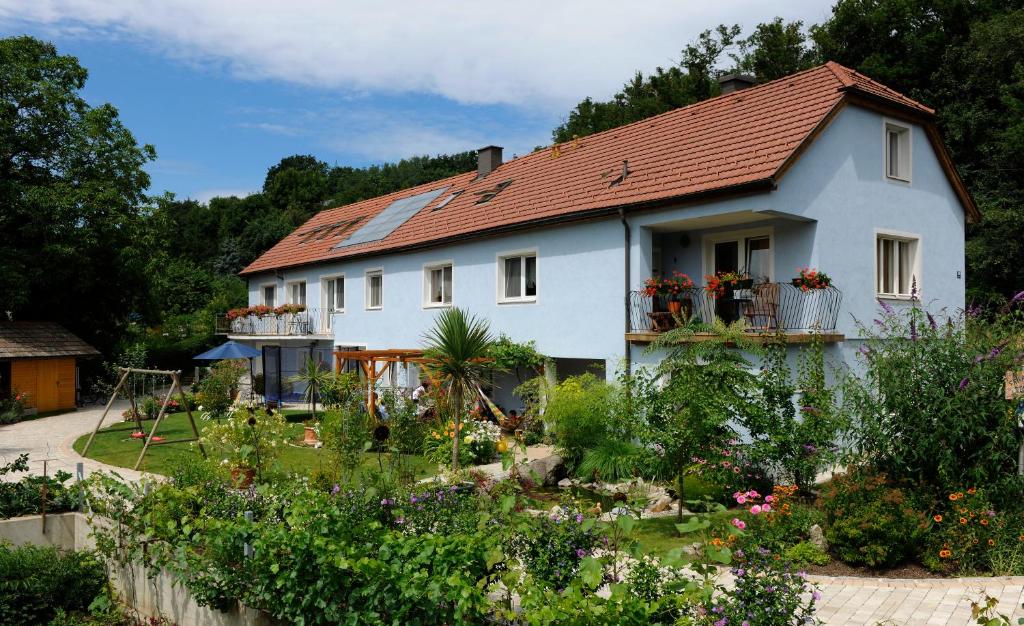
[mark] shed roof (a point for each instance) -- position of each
(31, 340)
(742, 141)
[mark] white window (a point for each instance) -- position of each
(297, 293)
(374, 289)
(334, 294)
(517, 277)
(269, 295)
(897, 151)
(896, 265)
(437, 285)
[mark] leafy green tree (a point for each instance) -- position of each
(775, 49)
(71, 186)
(297, 184)
(457, 351)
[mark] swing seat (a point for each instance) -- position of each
(138, 435)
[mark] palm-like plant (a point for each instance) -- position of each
(316, 379)
(457, 357)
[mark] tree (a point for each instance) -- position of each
(71, 186)
(775, 49)
(457, 352)
(297, 184)
(316, 378)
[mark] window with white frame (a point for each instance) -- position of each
(269, 295)
(896, 265)
(297, 292)
(333, 289)
(750, 252)
(897, 151)
(374, 289)
(517, 277)
(437, 285)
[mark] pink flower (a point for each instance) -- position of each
(766, 508)
(741, 499)
(769, 498)
(738, 523)
(755, 510)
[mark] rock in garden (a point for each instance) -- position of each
(664, 503)
(565, 483)
(817, 537)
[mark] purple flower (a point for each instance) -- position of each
(995, 352)
(931, 320)
(1017, 298)
(879, 322)
(722, 622)
(913, 330)
(816, 595)
(579, 518)
(885, 306)
(741, 572)
(979, 358)
(864, 350)
(810, 449)
(964, 383)
(580, 553)
(974, 310)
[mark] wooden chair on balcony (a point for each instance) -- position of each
(763, 311)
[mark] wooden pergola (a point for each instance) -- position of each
(373, 364)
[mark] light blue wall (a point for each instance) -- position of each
(578, 313)
(837, 188)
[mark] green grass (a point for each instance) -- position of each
(657, 536)
(118, 449)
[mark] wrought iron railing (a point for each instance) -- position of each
(302, 323)
(767, 307)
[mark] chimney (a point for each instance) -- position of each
(488, 159)
(735, 82)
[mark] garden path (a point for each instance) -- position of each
(52, 438)
(913, 602)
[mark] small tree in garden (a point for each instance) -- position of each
(316, 379)
(793, 437)
(931, 405)
(457, 352)
(217, 391)
(709, 386)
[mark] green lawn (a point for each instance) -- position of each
(117, 448)
(657, 535)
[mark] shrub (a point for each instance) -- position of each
(37, 581)
(806, 553)
(930, 408)
(785, 525)
(12, 409)
(248, 439)
(968, 536)
(577, 413)
(479, 443)
(24, 497)
(870, 521)
(764, 594)
(555, 545)
(216, 392)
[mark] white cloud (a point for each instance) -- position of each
(534, 53)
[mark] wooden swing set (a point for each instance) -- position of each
(152, 439)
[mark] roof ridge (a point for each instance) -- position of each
(842, 73)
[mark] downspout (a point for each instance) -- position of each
(627, 235)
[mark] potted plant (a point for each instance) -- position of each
(810, 278)
(722, 284)
(311, 432)
(249, 440)
(676, 286)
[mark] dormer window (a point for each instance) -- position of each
(897, 152)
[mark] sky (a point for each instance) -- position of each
(224, 89)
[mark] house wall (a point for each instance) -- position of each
(825, 212)
(579, 311)
(48, 383)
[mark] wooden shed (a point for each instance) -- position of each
(40, 359)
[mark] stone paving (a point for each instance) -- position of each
(845, 600)
(52, 438)
(910, 602)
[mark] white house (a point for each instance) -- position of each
(823, 169)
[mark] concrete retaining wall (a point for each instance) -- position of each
(150, 593)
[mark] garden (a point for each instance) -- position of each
(773, 470)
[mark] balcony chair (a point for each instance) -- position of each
(764, 306)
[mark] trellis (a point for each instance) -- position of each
(126, 373)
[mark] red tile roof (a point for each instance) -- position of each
(731, 142)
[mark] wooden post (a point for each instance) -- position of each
(106, 409)
(175, 384)
(191, 420)
(159, 417)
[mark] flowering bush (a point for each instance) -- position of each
(13, 409)
(554, 546)
(968, 536)
(808, 278)
(764, 593)
(437, 446)
(442, 510)
(289, 309)
(247, 439)
(871, 521)
(217, 391)
(780, 523)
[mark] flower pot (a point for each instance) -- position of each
(309, 436)
(241, 477)
(674, 307)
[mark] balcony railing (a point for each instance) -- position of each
(767, 308)
(295, 324)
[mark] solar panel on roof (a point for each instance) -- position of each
(393, 216)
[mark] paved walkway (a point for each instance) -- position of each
(909, 602)
(52, 438)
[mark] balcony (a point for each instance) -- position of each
(283, 321)
(770, 310)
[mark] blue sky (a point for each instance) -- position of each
(224, 93)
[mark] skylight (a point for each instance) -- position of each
(396, 214)
(444, 203)
(488, 194)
